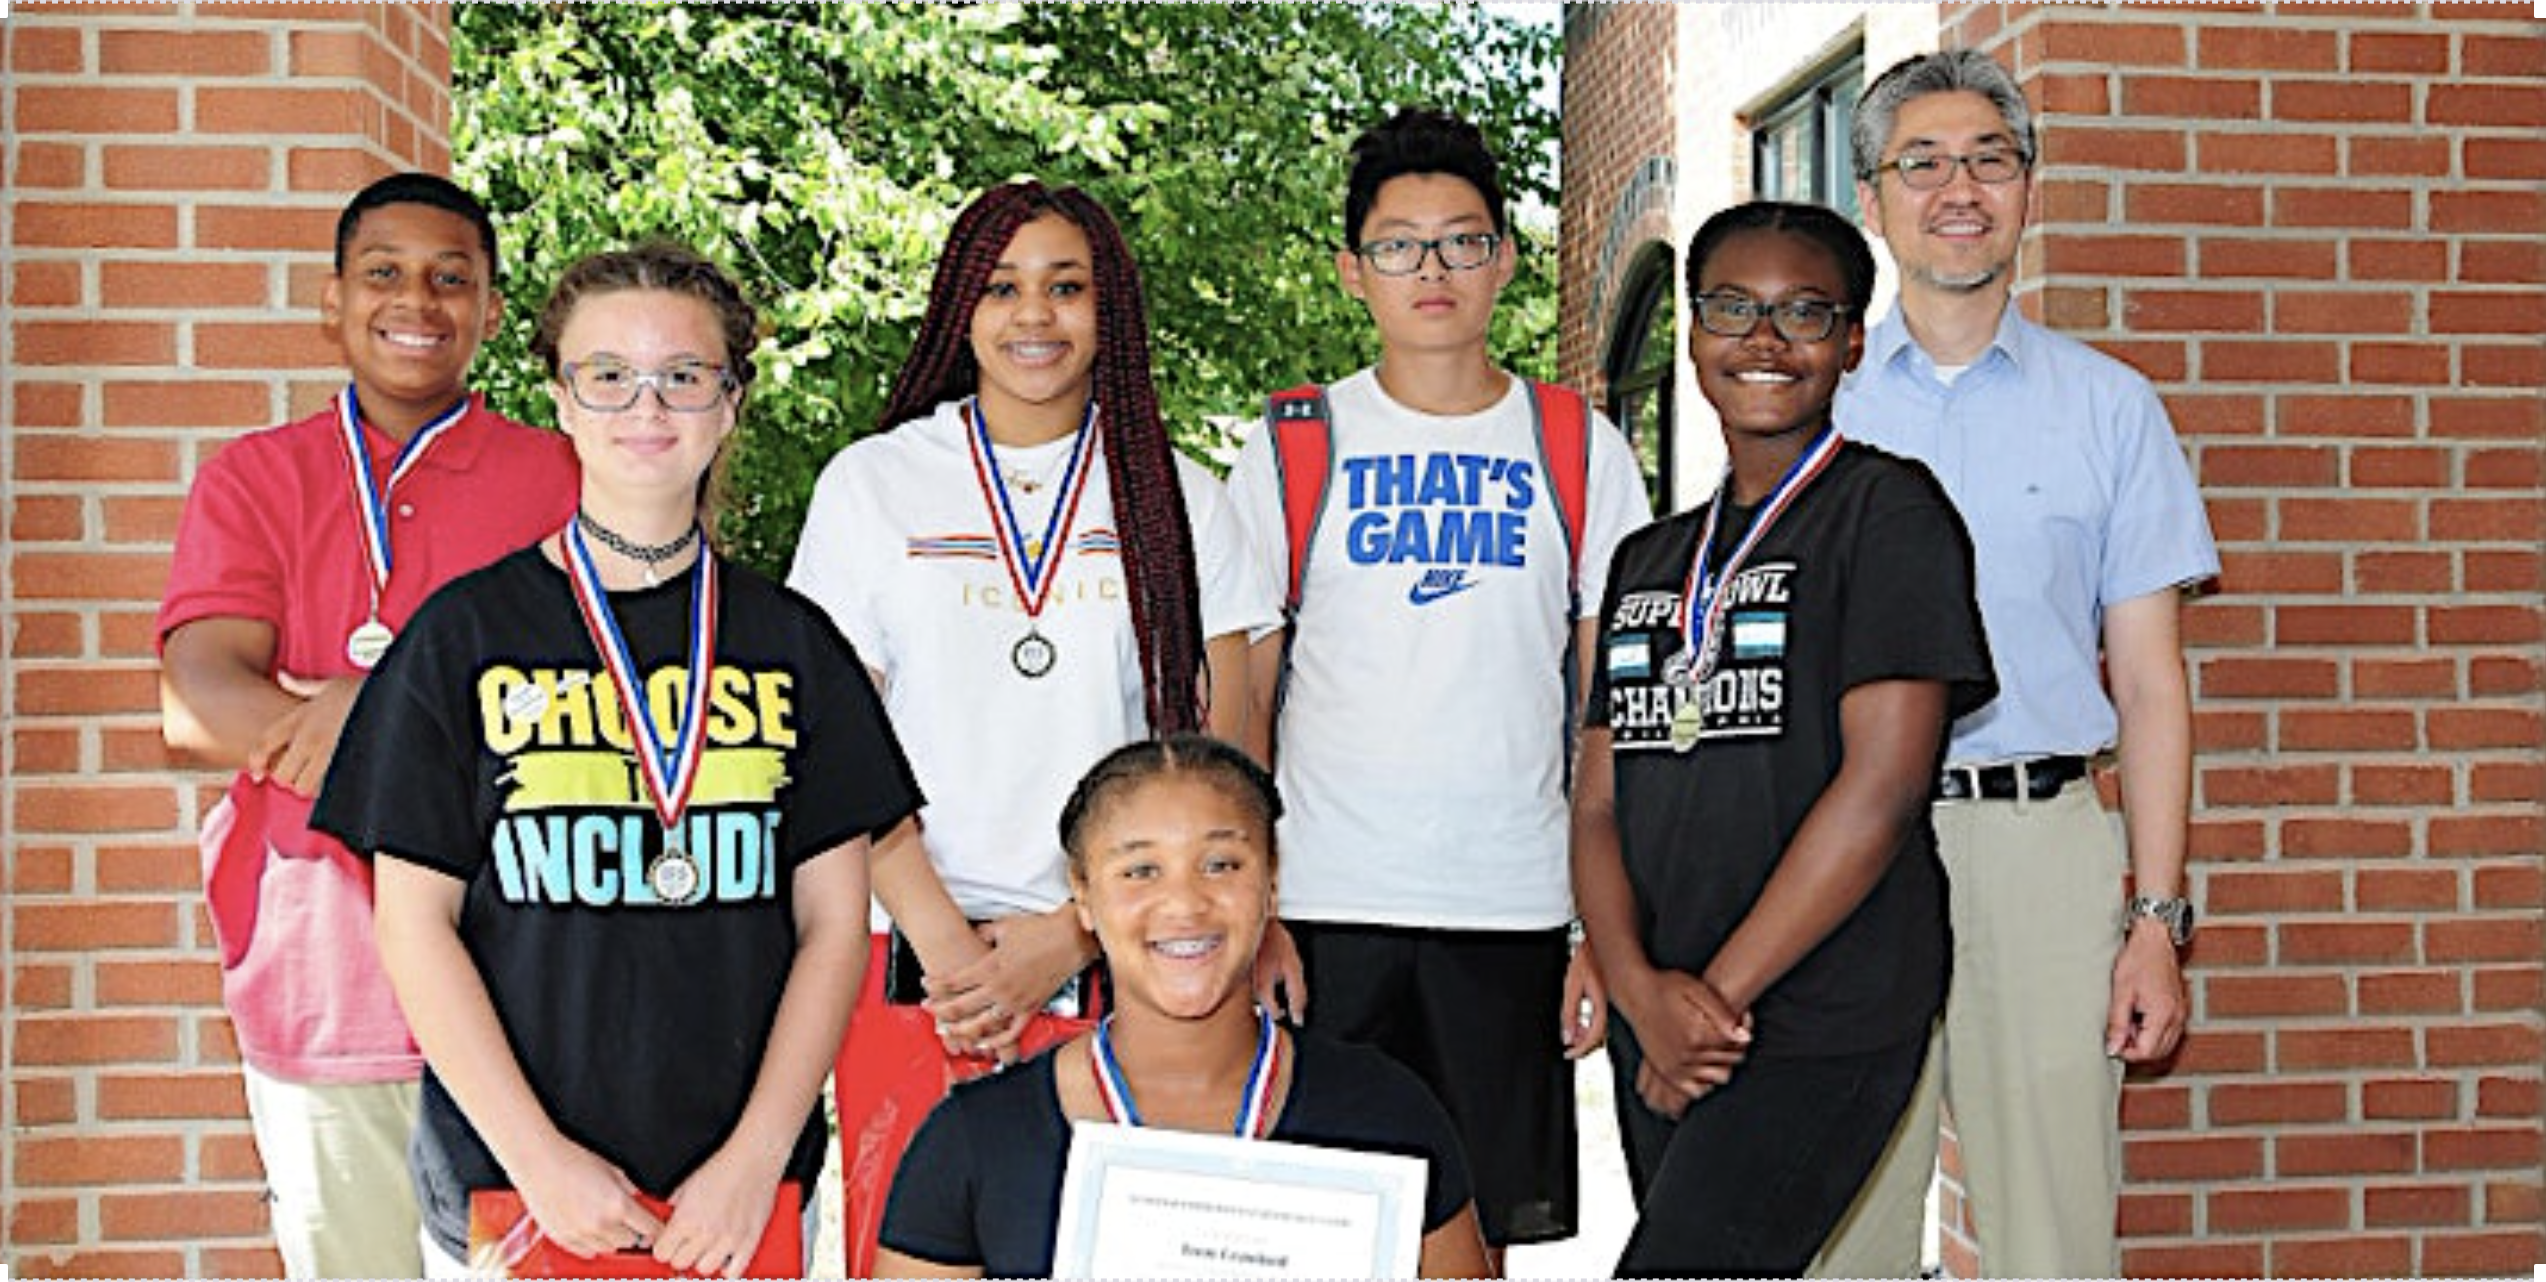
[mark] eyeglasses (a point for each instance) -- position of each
(1799, 320)
(609, 386)
(1929, 170)
(1403, 256)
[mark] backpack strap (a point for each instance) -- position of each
(1303, 458)
(1564, 453)
(1564, 458)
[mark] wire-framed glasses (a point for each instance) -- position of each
(607, 386)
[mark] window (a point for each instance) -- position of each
(1799, 143)
(1642, 349)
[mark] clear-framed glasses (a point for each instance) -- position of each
(608, 386)
(1403, 255)
(1797, 320)
(1929, 170)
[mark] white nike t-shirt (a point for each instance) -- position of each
(1421, 738)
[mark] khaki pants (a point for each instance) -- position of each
(336, 1164)
(2019, 1058)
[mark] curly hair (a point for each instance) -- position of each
(671, 268)
(1140, 461)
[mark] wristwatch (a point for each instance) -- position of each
(2175, 911)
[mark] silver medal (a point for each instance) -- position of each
(365, 644)
(1033, 655)
(673, 875)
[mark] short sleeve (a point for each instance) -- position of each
(1913, 612)
(404, 779)
(1616, 503)
(1255, 498)
(229, 557)
(1595, 699)
(1236, 595)
(828, 563)
(853, 779)
(2159, 535)
(930, 1212)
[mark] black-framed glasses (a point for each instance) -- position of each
(1403, 255)
(609, 386)
(1797, 320)
(1929, 170)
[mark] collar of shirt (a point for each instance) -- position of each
(1888, 345)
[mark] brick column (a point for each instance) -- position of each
(2316, 227)
(174, 174)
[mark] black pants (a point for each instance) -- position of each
(1473, 1013)
(1752, 1178)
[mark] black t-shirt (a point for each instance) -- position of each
(1866, 577)
(489, 745)
(981, 1181)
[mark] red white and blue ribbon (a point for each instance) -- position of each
(668, 772)
(1703, 603)
(1255, 1115)
(371, 496)
(1032, 568)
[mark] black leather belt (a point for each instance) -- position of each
(2037, 780)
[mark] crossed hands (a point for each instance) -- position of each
(1692, 1041)
(296, 747)
(983, 1008)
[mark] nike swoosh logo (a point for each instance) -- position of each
(1436, 584)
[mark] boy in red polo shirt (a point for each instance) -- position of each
(303, 549)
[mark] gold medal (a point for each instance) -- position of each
(1688, 724)
(365, 644)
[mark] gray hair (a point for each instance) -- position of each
(1922, 74)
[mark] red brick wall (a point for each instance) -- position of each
(1619, 71)
(2317, 228)
(174, 173)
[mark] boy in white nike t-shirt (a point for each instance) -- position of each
(1422, 739)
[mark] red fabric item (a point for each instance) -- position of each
(498, 1224)
(891, 1071)
(271, 533)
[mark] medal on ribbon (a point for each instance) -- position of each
(1255, 1111)
(1033, 563)
(370, 640)
(670, 770)
(1703, 602)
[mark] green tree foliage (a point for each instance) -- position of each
(821, 151)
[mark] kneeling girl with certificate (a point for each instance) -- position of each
(1171, 864)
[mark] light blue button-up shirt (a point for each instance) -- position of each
(2076, 493)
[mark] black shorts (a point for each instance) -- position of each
(1475, 1014)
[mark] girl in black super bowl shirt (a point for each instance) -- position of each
(1752, 855)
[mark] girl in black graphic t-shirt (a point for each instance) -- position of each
(618, 795)
(1752, 857)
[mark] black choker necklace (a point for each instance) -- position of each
(646, 555)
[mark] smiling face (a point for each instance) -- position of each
(413, 302)
(1177, 888)
(1763, 384)
(645, 451)
(1431, 308)
(1034, 331)
(1960, 237)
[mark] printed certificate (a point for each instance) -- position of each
(1138, 1202)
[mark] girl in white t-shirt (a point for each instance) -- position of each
(1035, 577)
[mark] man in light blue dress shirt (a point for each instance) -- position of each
(2087, 529)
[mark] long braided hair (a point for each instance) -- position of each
(1140, 462)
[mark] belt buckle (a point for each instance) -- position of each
(1959, 783)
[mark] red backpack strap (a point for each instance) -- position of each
(1564, 450)
(1303, 455)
